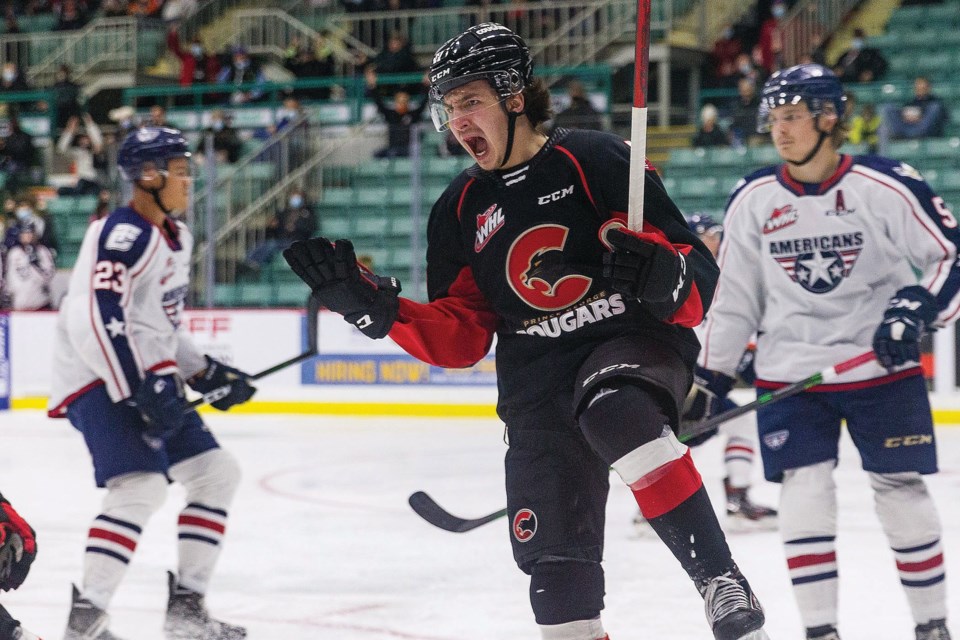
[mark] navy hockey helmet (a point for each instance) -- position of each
(487, 51)
(704, 224)
(811, 83)
(150, 145)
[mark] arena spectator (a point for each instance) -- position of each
(242, 69)
(11, 78)
(28, 271)
(67, 96)
(197, 65)
(71, 15)
(723, 58)
(923, 117)
(397, 57)
(743, 121)
(400, 118)
(82, 147)
(865, 128)
(581, 114)
(25, 213)
(295, 221)
(860, 63)
(18, 155)
(226, 140)
(710, 133)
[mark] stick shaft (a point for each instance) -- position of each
(638, 119)
(770, 397)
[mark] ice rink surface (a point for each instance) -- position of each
(322, 545)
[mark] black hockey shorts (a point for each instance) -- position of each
(636, 360)
(556, 488)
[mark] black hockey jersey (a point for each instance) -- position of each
(519, 253)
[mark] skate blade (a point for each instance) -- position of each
(759, 634)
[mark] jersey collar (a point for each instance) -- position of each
(813, 188)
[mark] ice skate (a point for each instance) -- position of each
(733, 612)
(188, 619)
(826, 632)
(743, 514)
(933, 630)
(87, 621)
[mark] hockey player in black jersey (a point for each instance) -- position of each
(595, 348)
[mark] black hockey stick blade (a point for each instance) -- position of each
(313, 336)
(428, 509)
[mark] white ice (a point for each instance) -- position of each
(322, 545)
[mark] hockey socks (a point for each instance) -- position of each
(670, 493)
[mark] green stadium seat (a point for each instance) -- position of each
(401, 226)
(226, 295)
(372, 196)
(337, 197)
(335, 226)
(60, 206)
(763, 156)
(704, 186)
(687, 158)
(905, 150)
(289, 294)
(727, 157)
(254, 294)
(400, 167)
(371, 226)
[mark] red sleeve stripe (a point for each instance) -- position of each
(463, 195)
(583, 177)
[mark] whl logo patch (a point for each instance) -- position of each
(781, 218)
(524, 525)
(488, 223)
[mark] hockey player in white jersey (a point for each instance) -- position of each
(819, 258)
(121, 359)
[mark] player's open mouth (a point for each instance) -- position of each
(478, 146)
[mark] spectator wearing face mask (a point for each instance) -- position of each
(295, 221)
(28, 271)
(243, 70)
(771, 38)
(860, 63)
(82, 148)
(197, 66)
(24, 214)
(11, 79)
(226, 141)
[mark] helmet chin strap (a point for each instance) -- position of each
(816, 148)
(511, 129)
(156, 194)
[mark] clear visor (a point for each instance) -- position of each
(450, 101)
(766, 118)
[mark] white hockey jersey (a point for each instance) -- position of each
(121, 315)
(811, 268)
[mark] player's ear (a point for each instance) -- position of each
(515, 103)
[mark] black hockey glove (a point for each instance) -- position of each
(365, 300)
(647, 267)
(160, 401)
(227, 385)
(705, 400)
(897, 340)
(18, 547)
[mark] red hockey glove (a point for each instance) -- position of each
(366, 301)
(18, 547)
(646, 266)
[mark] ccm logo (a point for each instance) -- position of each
(613, 367)
(907, 441)
(556, 195)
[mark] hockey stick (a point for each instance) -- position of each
(428, 509)
(638, 119)
(313, 337)
(770, 397)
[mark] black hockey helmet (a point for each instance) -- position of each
(487, 51)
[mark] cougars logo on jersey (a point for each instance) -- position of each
(537, 272)
(818, 264)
